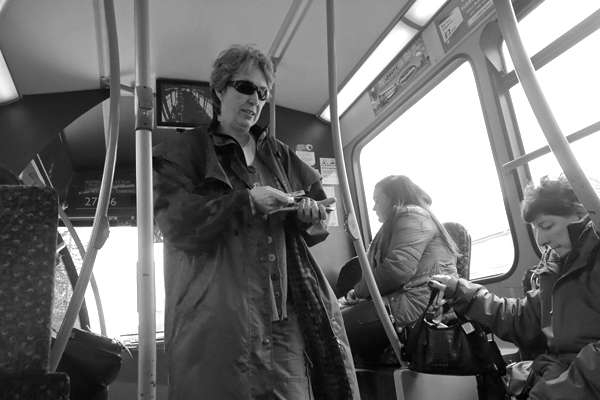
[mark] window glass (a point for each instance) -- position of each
(115, 271)
(548, 22)
(442, 145)
(570, 84)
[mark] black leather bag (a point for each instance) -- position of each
(92, 361)
(457, 347)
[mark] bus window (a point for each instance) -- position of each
(115, 271)
(442, 144)
(570, 84)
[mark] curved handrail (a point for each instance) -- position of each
(350, 219)
(100, 227)
(292, 21)
(65, 219)
(556, 140)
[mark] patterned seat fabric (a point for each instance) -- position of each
(28, 232)
(461, 237)
(38, 386)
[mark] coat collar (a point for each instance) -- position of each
(266, 148)
(553, 263)
(585, 241)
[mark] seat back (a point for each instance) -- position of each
(462, 238)
(349, 275)
(28, 232)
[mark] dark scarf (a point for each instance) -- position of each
(329, 378)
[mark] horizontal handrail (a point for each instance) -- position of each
(524, 159)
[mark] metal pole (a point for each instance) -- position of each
(350, 219)
(556, 140)
(272, 103)
(100, 230)
(146, 295)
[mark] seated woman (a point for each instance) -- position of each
(559, 320)
(411, 246)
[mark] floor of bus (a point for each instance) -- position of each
(374, 384)
(378, 383)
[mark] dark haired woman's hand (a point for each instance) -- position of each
(444, 283)
(351, 298)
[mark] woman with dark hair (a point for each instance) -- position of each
(557, 322)
(410, 247)
(249, 313)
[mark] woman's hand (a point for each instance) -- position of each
(310, 211)
(351, 298)
(269, 200)
(444, 283)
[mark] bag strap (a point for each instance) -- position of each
(412, 337)
(493, 352)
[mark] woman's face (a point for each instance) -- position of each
(551, 231)
(382, 204)
(239, 112)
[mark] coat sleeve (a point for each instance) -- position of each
(514, 320)
(192, 213)
(580, 381)
(411, 236)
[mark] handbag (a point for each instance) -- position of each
(92, 361)
(457, 347)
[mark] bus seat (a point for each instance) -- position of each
(412, 385)
(28, 232)
(350, 275)
(462, 238)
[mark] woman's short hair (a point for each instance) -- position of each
(552, 196)
(235, 60)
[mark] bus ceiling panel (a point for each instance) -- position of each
(31, 123)
(60, 46)
(86, 135)
(50, 46)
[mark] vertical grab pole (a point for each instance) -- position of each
(146, 296)
(349, 218)
(272, 103)
(556, 140)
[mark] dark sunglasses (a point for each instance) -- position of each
(247, 87)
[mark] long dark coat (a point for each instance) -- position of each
(218, 321)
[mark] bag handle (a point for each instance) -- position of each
(412, 337)
(493, 352)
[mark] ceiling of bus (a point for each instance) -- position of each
(57, 46)
(61, 46)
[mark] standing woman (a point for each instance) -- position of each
(411, 246)
(249, 314)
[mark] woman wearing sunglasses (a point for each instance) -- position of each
(249, 312)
